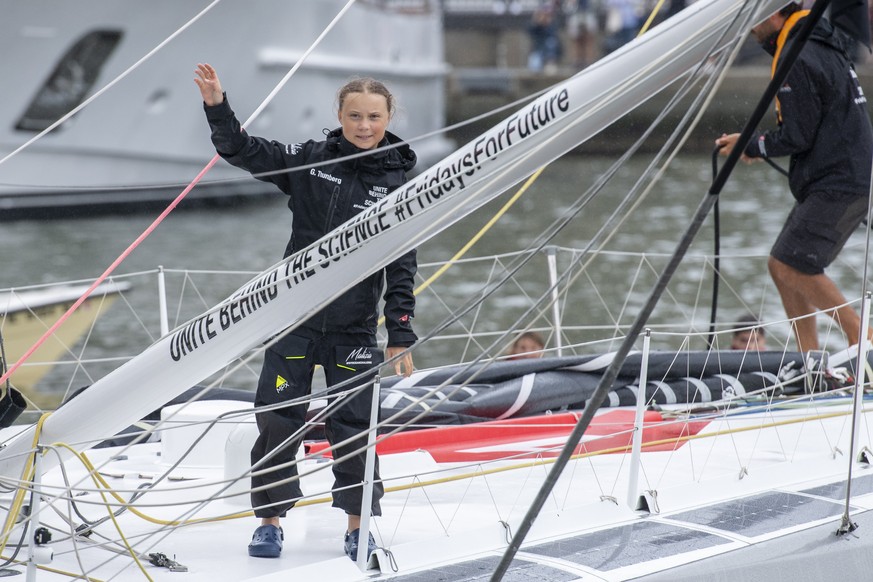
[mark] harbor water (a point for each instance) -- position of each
(601, 301)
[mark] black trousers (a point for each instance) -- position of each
(287, 375)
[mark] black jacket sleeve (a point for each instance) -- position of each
(400, 300)
(801, 114)
(254, 154)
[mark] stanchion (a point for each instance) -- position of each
(162, 301)
(369, 468)
(846, 524)
(636, 450)
(551, 257)
(36, 554)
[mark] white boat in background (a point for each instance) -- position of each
(25, 315)
(145, 139)
(734, 484)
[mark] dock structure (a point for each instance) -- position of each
(487, 44)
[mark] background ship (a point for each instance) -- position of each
(144, 139)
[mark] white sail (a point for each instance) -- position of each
(288, 293)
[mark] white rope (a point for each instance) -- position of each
(260, 108)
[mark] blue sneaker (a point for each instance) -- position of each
(351, 544)
(266, 542)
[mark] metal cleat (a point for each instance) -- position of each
(161, 560)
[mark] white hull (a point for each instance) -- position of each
(146, 138)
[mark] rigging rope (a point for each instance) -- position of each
(541, 242)
(609, 376)
(716, 254)
(475, 238)
(526, 258)
(499, 214)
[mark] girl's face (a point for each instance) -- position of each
(364, 118)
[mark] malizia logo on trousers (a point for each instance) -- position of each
(359, 357)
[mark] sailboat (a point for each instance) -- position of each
(25, 315)
(747, 485)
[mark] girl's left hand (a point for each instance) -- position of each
(403, 365)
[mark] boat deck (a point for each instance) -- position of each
(730, 495)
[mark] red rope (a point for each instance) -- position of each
(109, 269)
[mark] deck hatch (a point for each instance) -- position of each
(627, 545)
(761, 514)
(860, 486)
(481, 570)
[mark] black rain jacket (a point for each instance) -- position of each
(324, 197)
(825, 126)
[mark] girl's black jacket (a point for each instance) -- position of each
(323, 197)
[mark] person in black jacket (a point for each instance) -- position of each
(824, 127)
(341, 338)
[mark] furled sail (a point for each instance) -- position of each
(289, 292)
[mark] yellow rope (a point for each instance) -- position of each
(497, 216)
(99, 481)
(677, 440)
(533, 178)
(482, 231)
(26, 476)
(18, 502)
(621, 449)
(651, 17)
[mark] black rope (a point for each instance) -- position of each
(776, 166)
(716, 244)
(24, 529)
(716, 253)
